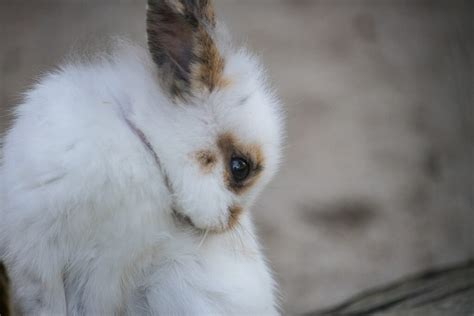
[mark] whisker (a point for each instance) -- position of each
(251, 235)
(203, 238)
(238, 234)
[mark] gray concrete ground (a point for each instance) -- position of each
(378, 179)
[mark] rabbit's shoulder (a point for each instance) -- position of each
(73, 134)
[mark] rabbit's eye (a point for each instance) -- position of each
(240, 169)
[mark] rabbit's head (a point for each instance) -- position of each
(226, 129)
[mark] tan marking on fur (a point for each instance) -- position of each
(234, 215)
(206, 72)
(224, 82)
(229, 146)
(206, 159)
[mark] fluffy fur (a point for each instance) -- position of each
(105, 208)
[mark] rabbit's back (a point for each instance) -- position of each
(70, 138)
(81, 193)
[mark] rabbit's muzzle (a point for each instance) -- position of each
(185, 222)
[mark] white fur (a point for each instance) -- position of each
(85, 216)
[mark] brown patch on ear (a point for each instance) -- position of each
(230, 147)
(208, 71)
(206, 159)
(234, 215)
(207, 11)
(180, 43)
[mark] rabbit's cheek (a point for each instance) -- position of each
(201, 197)
(213, 209)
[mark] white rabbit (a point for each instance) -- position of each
(126, 181)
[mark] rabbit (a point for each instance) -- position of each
(127, 180)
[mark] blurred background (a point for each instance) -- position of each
(378, 180)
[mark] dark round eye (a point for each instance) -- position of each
(240, 169)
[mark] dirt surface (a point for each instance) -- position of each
(378, 180)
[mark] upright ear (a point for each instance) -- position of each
(180, 43)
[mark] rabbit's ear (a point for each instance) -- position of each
(180, 43)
